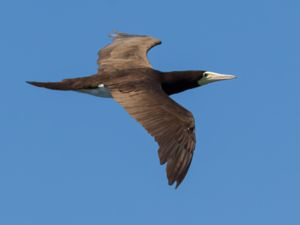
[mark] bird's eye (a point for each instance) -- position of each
(205, 75)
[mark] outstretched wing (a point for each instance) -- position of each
(170, 124)
(127, 51)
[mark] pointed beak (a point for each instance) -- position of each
(209, 77)
(217, 76)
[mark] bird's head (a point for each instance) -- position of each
(209, 77)
(178, 81)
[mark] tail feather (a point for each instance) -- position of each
(70, 84)
(51, 85)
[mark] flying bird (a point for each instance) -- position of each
(126, 75)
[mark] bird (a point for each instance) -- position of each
(126, 75)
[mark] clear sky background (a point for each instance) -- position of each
(72, 159)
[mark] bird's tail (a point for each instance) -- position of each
(51, 85)
(68, 84)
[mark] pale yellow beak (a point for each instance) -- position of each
(209, 77)
(218, 76)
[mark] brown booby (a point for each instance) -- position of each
(126, 75)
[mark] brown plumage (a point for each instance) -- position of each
(126, 74)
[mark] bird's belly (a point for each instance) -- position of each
(99, 92)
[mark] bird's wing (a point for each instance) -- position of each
(170, 124)
(127, 51)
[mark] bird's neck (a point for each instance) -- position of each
(178, 81)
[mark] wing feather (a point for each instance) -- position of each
(126, 51)
(170, 124)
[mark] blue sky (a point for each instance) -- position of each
(68, 159)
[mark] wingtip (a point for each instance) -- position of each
(171, 182)
(177, 184)
(113, 34)
(117, 34)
